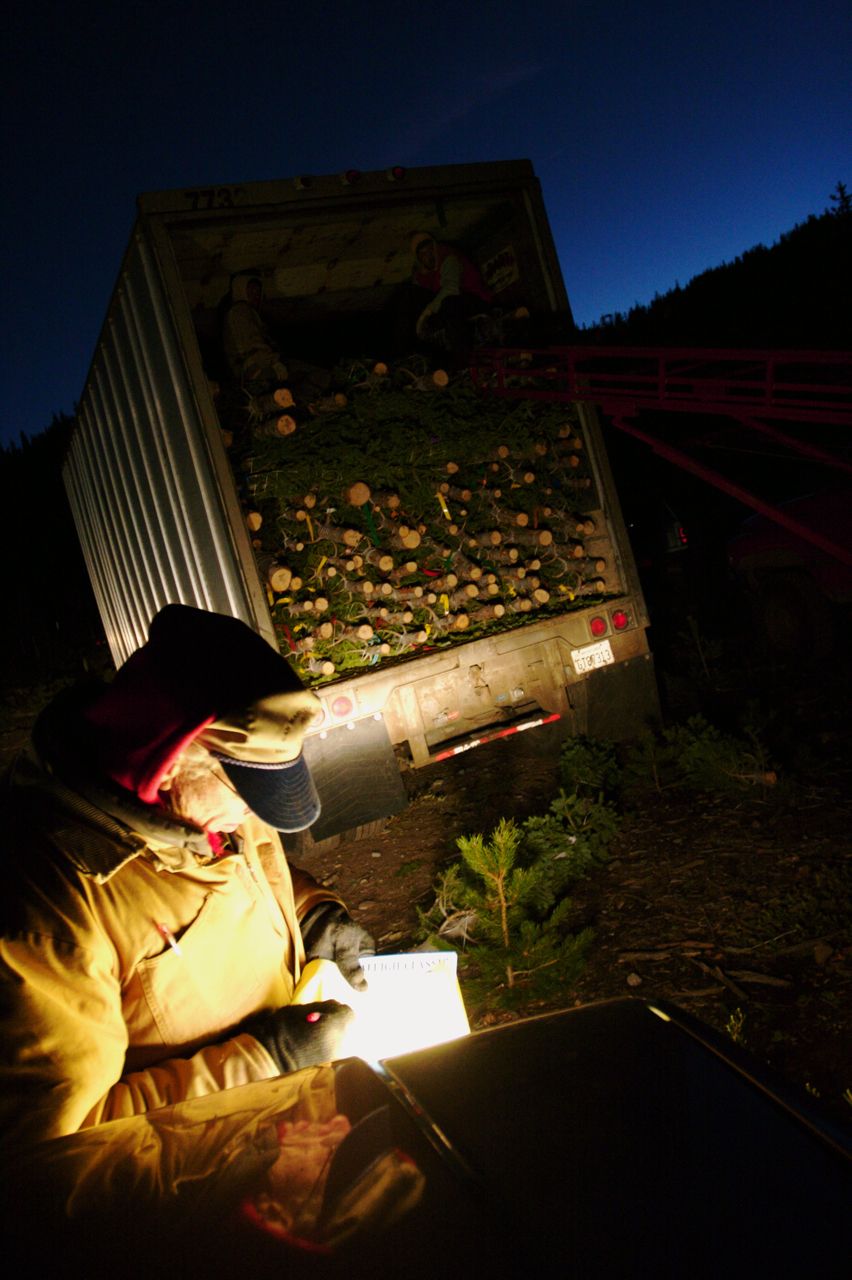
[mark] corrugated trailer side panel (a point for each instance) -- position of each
(144, 495)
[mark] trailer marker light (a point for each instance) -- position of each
(620, 619)
(350, 177)
(396, 174)
(341, 706)
(597, 625)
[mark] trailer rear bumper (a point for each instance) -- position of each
(356, 765)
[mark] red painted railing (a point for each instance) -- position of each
(802, 386)
(753, 387)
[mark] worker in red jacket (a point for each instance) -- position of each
(451, 290)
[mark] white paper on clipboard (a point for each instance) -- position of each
(413, 1000)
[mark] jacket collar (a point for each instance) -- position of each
(99, 831)
(99, 825)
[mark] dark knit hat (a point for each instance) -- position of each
(208, 677)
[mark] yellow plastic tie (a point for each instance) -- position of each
(444, 507)
(444, 601)
(310, 526)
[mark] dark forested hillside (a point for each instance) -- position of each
(50, 625)
(795, 294)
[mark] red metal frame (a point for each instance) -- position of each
(801, 386)
(753, 387)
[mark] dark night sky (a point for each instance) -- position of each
(669, 137)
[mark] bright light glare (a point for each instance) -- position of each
(412, 1001)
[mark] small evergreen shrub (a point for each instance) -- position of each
(589, 767)
(698, 756)
(505, 903)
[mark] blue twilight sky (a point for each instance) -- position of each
(669, 137)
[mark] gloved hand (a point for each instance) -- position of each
(424, 318)
(301, 1035)
(330, 933)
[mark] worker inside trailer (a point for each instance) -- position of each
(454, 307)
(449, 292)
(252, 353)
(250, 350)
(153, 932)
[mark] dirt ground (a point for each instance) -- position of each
(739, 911)
(736, 910)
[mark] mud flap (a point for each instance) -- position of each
(622, 700)
(356, 774)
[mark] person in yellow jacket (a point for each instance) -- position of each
(153, 931)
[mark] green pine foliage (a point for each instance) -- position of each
(575, 833)
(650, 764)
(506, 902)
(589, 767)
(697, 756)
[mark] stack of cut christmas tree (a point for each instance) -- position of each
(418, 513)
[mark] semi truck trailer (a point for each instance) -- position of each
(441, 567)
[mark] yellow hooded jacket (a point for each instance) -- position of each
(130, 954)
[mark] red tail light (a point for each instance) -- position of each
(597, 626)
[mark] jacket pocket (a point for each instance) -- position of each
(227, 964)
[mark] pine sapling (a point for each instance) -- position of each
(493, 861)
(506, 899)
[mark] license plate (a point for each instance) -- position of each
(592, 657)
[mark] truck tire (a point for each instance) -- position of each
(794, 621)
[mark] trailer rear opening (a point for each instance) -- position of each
(442, 567)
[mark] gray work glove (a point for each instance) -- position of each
(330, 933)
(301, 1035)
